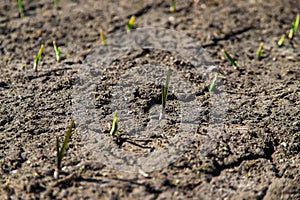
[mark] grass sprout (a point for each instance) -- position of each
(213, 84)
(56, 2)
(21, 8)
(114, 126)
(129, 24)
(37, 58)
(230, 59)
(281, 40)
(259, 50)
(165, 89)
(57, 51)
(102, 37)
(60, 152)
(294, 26)
(173, 6)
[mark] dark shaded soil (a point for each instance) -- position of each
(256, 155)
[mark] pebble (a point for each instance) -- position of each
(297, 123)
(171, 18)
(284, 144)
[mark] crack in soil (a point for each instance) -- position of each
(227, 36)
(234, 162)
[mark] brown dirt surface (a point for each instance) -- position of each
(253, 155)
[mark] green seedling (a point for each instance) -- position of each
(56, 2)
(57, 51)
(213, 84)
(230, 59)
(173, 6)
(165, 89)
(281, 41)
(21, 8)
(102, 37)
(37, 58)
(294, 27)
(129, 24)
(259, 50)
(60, 152)
(114, 126)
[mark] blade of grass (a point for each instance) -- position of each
(259, 50)
(165, 89)
(281, 41)
(213, 84)
(173, 6)
(21, 8)
(37, 58)
(102, 37)
(61, 152)
(230, 59)
(114, 126)
(56, 2)
(129, 24)
(294, 27)
(57, 51)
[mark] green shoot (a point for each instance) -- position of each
(56, 2)
(21, 8)
(165, 89)
(294, 27)
(230, 59)
(114, 126)
(281, 41)
(213, 84)
(173, 6)
(37, 58)
(61, 152)
(102, 36)
(259, 50)
(57, 51)
(129, 24)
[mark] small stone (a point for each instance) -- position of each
(297, 123)
(171, 18)
(284, 144)
(143, 173)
